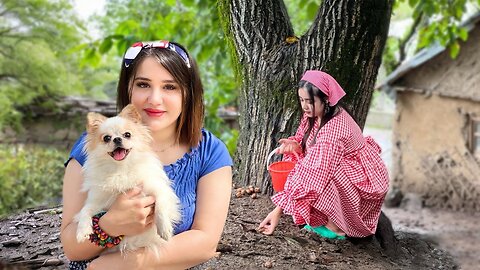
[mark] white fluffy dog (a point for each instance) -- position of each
(119, 158)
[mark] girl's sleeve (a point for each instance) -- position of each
(77, 152)
(318, 166)
(215, 154)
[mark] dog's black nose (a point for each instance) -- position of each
(117, 140)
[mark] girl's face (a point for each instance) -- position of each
(307, 104)
(157, 96)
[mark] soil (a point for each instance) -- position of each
(31, 239)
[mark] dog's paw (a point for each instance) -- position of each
(83, 232)
(164, 228)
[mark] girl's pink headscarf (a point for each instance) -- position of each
(326, 83)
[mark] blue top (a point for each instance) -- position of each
(209, 155)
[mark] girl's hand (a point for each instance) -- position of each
(289, 147)
(130, 214)
(268, 225)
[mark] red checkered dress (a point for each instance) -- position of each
(341, 178)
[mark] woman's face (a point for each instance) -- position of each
(307, 104)
(157, 96)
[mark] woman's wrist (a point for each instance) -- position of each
(99, 237)
(107, 225)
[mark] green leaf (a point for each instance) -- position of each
(418, 10)
(454, 50)
(412, 3)
(105, 46)
(312, 10)
(116, 37)
(171, 3)
(302, 3)
(189, 3)
(127, 27)
(78, 48)
(463, 34)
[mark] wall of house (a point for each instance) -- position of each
(430, 134)
(430, 150)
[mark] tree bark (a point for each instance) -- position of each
(346, 40)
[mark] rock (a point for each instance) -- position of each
(412, 202)
(394, 198)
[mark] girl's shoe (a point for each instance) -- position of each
(324, 232)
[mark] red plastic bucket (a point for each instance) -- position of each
(279, 172)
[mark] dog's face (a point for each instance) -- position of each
(115, 138)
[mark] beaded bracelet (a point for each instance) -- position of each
(101, 238)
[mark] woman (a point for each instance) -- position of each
(162, 82)
(339, 182)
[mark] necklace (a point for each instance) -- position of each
(166, 148)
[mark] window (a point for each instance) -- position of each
(476, 135)
(475, 141)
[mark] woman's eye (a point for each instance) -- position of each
(170, 87)
(142, 84)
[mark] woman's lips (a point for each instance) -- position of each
(154, 112)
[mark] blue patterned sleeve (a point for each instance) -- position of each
(77, 151)
(215, 154)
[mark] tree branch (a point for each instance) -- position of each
(404, 41)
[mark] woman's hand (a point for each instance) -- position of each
(130, 214)
(268, 225)
(289, 147)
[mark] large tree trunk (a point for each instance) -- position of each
(346, 40)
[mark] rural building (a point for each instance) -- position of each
(436, 130)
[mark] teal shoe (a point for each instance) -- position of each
(324, 232)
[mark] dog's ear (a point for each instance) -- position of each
(129, 112)
(94, 120)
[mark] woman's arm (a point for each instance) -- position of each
(130, 214)
(73, 200)
(191, 247)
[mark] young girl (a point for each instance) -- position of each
(339, 182)
(162, 82)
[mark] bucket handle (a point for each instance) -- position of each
(273, 152)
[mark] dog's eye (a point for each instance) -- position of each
(127, 135)
(107, 138)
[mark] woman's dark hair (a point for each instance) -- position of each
(190, 121)
(328, 113)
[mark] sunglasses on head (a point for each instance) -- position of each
(135, 49)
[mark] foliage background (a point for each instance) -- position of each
(29, 177)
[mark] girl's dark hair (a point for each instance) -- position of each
(328, 113)
(190, 121)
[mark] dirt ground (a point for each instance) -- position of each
(453, 231)
(32, 239)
